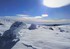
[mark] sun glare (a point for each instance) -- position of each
(56, 3)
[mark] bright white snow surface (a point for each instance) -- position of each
(42, 37)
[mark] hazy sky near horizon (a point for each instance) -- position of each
(32, 8)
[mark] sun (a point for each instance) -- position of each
(56, 3)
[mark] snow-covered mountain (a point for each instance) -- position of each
(15, 34)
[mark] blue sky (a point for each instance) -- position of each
(32, 8)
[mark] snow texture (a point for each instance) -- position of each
(20, 35)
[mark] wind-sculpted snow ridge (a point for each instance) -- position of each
(29, 46)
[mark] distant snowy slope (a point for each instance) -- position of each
(45, 38)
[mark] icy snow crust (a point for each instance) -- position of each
(42, 37)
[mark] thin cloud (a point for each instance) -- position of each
(21, 15)
(35, 17)
(36, 20)
(42, 16)
(40, 20)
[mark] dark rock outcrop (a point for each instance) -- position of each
(61, 30)
(19, 25)
(1, 24)
(32, 27)
(14, 29)
(51, 28)
(7, 39)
